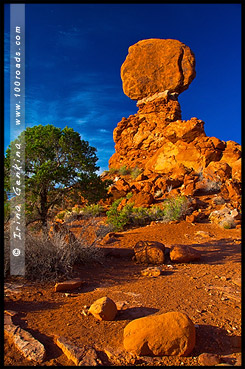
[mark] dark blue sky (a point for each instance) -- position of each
(74, 53)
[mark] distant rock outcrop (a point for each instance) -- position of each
(157, 140)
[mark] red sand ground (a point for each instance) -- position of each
(209, 291)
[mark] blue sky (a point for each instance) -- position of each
(74, 53)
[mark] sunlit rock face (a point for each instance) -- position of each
(156, 139)
(156, 65)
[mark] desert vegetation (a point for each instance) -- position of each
(125, 171)
(172, 209)
(57, 165)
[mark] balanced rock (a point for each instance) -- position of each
(184, 254)
(149, 252)
(103, 309)
(172, 333)
(156, 65)
(157, 140)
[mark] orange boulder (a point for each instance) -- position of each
(156, 65)
(172, 333)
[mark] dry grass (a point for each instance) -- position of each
(48, 259)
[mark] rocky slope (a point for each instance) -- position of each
(171, 152)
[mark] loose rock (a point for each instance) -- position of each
(68, 285)
(81, 356)
(172, 333)
(103, 309)
(207, 359)
(184, 254)
(152, 271)
(149, 252)
(29, 347)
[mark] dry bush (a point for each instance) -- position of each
(48, 259)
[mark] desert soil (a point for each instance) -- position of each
(208, 291)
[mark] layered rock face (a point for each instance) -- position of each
(155, 139)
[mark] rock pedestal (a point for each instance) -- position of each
(157, 140)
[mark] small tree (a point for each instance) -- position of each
(57, 161)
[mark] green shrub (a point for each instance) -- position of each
(123, 171)
(119, 218)
(135, 172)
(156, 213)
(61, 214)
(175, 208)
(69, 216)
(92, 210)
(140, 216)
(76, 210)
(112, 171)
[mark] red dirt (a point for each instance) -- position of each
(208, 291)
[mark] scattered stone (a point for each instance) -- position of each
(109, 238)
(152, 271)
(223, 364)
(222, 217)
(29, 347)
(149, 252)
(184, 254)
(11, 312)
(103, 309)
(172, 333)
(223, 278)
(90, 358)
(120, 305)
(122, 358)
(8, 323)
(68, 285)
(207, 359)
(203, 234)
(81, 356)
(238, 360)
(237, 281)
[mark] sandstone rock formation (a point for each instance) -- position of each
(157, 65)
(170, 152)
(172, 333)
